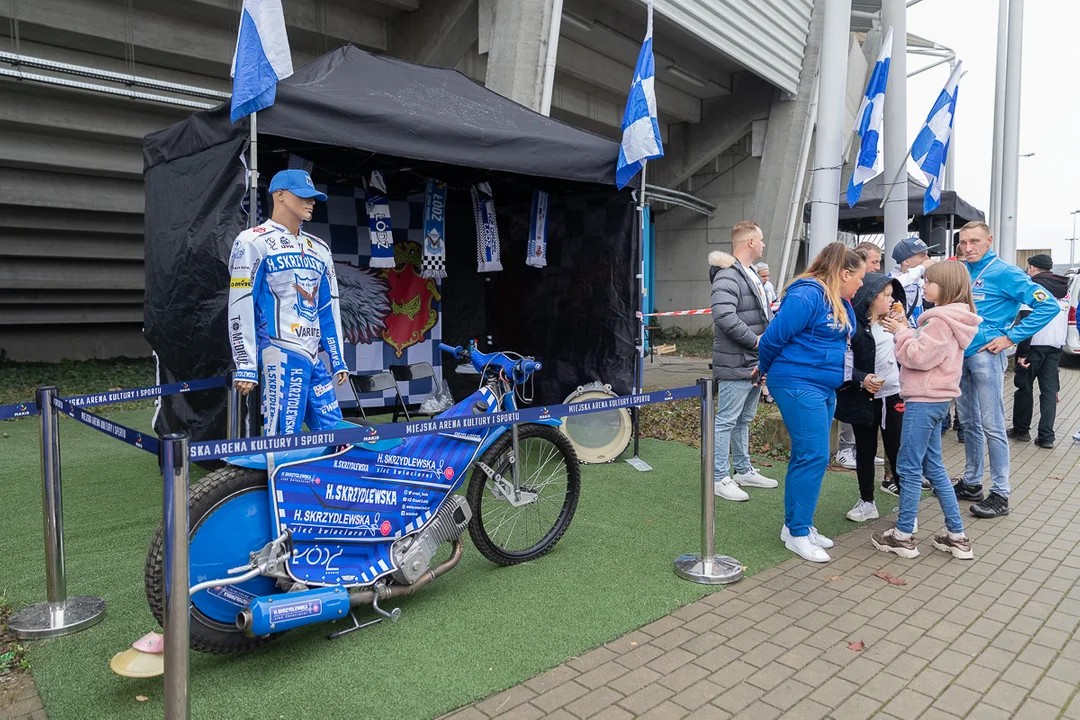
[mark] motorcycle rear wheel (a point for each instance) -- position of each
(548, 466)
(245, 486)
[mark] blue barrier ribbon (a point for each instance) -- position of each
(147, 442)
(118, 396)
(18, 410)
(217, 449)
(25, 409)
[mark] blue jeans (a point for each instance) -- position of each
(808, 416)
(737, 402)
(982, 413)
(919, 457)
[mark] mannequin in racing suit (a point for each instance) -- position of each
(283, 304)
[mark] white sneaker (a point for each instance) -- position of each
(754, 479)
(846, 458)
(806, 549)
(815, 537)
(879, 461)
(727, 489)
(863, 511)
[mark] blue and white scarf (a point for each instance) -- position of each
(487, 230)
(537, 254)
(378, 212)
(434, 263)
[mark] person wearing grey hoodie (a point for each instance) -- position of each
(740, 313)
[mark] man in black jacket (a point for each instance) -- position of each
(740, 311)
(1038, 358)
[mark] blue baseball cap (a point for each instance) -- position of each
(298, 182)
(910, 247)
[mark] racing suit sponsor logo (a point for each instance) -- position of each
(293, 400)
(307, 297)
(240, 282)
(321, 390)
(294, 261)
(303, 331)
(362, 495)
(236, 337)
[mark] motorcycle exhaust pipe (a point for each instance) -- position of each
(285, 611)
(388, 592)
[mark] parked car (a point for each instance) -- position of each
(1072, 337)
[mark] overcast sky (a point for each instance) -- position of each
(1050, 109)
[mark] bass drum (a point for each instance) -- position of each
(598, 437)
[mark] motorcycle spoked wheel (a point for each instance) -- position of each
(548, 466)
(230, 508)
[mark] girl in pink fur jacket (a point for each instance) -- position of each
(931, 359)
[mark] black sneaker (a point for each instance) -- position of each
(1048, 444)
(960, 435)
(993, 506)
(972, 493)
(926, 485)
(1015, 434)
(890, 486)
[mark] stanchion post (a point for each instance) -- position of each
(59, 614)
(708, 568)
(177, 600)
(232, 409)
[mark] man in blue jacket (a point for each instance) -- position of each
(999, 288)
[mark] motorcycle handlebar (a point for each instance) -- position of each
(455, 351)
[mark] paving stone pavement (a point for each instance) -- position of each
(991, 638)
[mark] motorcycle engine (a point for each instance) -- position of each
(412, 554)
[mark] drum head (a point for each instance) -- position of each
(598, 437)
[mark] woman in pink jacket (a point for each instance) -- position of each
(931, 359)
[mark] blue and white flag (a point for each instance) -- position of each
(870, 162)
(261, 58)
(931, 147)
(640, 130)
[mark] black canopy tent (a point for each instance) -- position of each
(350, 112)
(867, 217)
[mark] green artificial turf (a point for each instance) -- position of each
(475, 631)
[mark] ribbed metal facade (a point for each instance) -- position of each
(766, 37)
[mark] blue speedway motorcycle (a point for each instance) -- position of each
(287, 539)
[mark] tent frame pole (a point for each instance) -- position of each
(253, 172)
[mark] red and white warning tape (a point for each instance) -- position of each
(676, 312)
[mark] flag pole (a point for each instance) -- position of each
(639, 364)
(896, 180)
(253, 190)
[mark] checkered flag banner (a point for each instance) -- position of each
(487, 230)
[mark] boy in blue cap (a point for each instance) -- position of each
(283, 305)
(912, 258)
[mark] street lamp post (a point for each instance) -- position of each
(1072, 240)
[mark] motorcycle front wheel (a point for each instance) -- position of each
(550, 479)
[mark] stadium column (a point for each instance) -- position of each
(518, 49)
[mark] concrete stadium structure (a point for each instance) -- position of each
(735, 85)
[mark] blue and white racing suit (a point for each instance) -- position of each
(283, 303)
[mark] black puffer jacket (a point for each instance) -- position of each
(739, 317)
(853, 403)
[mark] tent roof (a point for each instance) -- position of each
(353, 99)
(869, 206)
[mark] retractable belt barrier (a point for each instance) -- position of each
(217, 449)
(28, 408)
(149, 443)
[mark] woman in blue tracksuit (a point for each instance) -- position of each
(805, 352)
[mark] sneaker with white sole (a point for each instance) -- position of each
(959, 548)
(879, 461)
(815, 537)
(727, 489)
(888, 541)
(805, 548)
(863, 511)
(846, 458)
(754, 479)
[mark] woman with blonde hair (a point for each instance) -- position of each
(805, 352)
